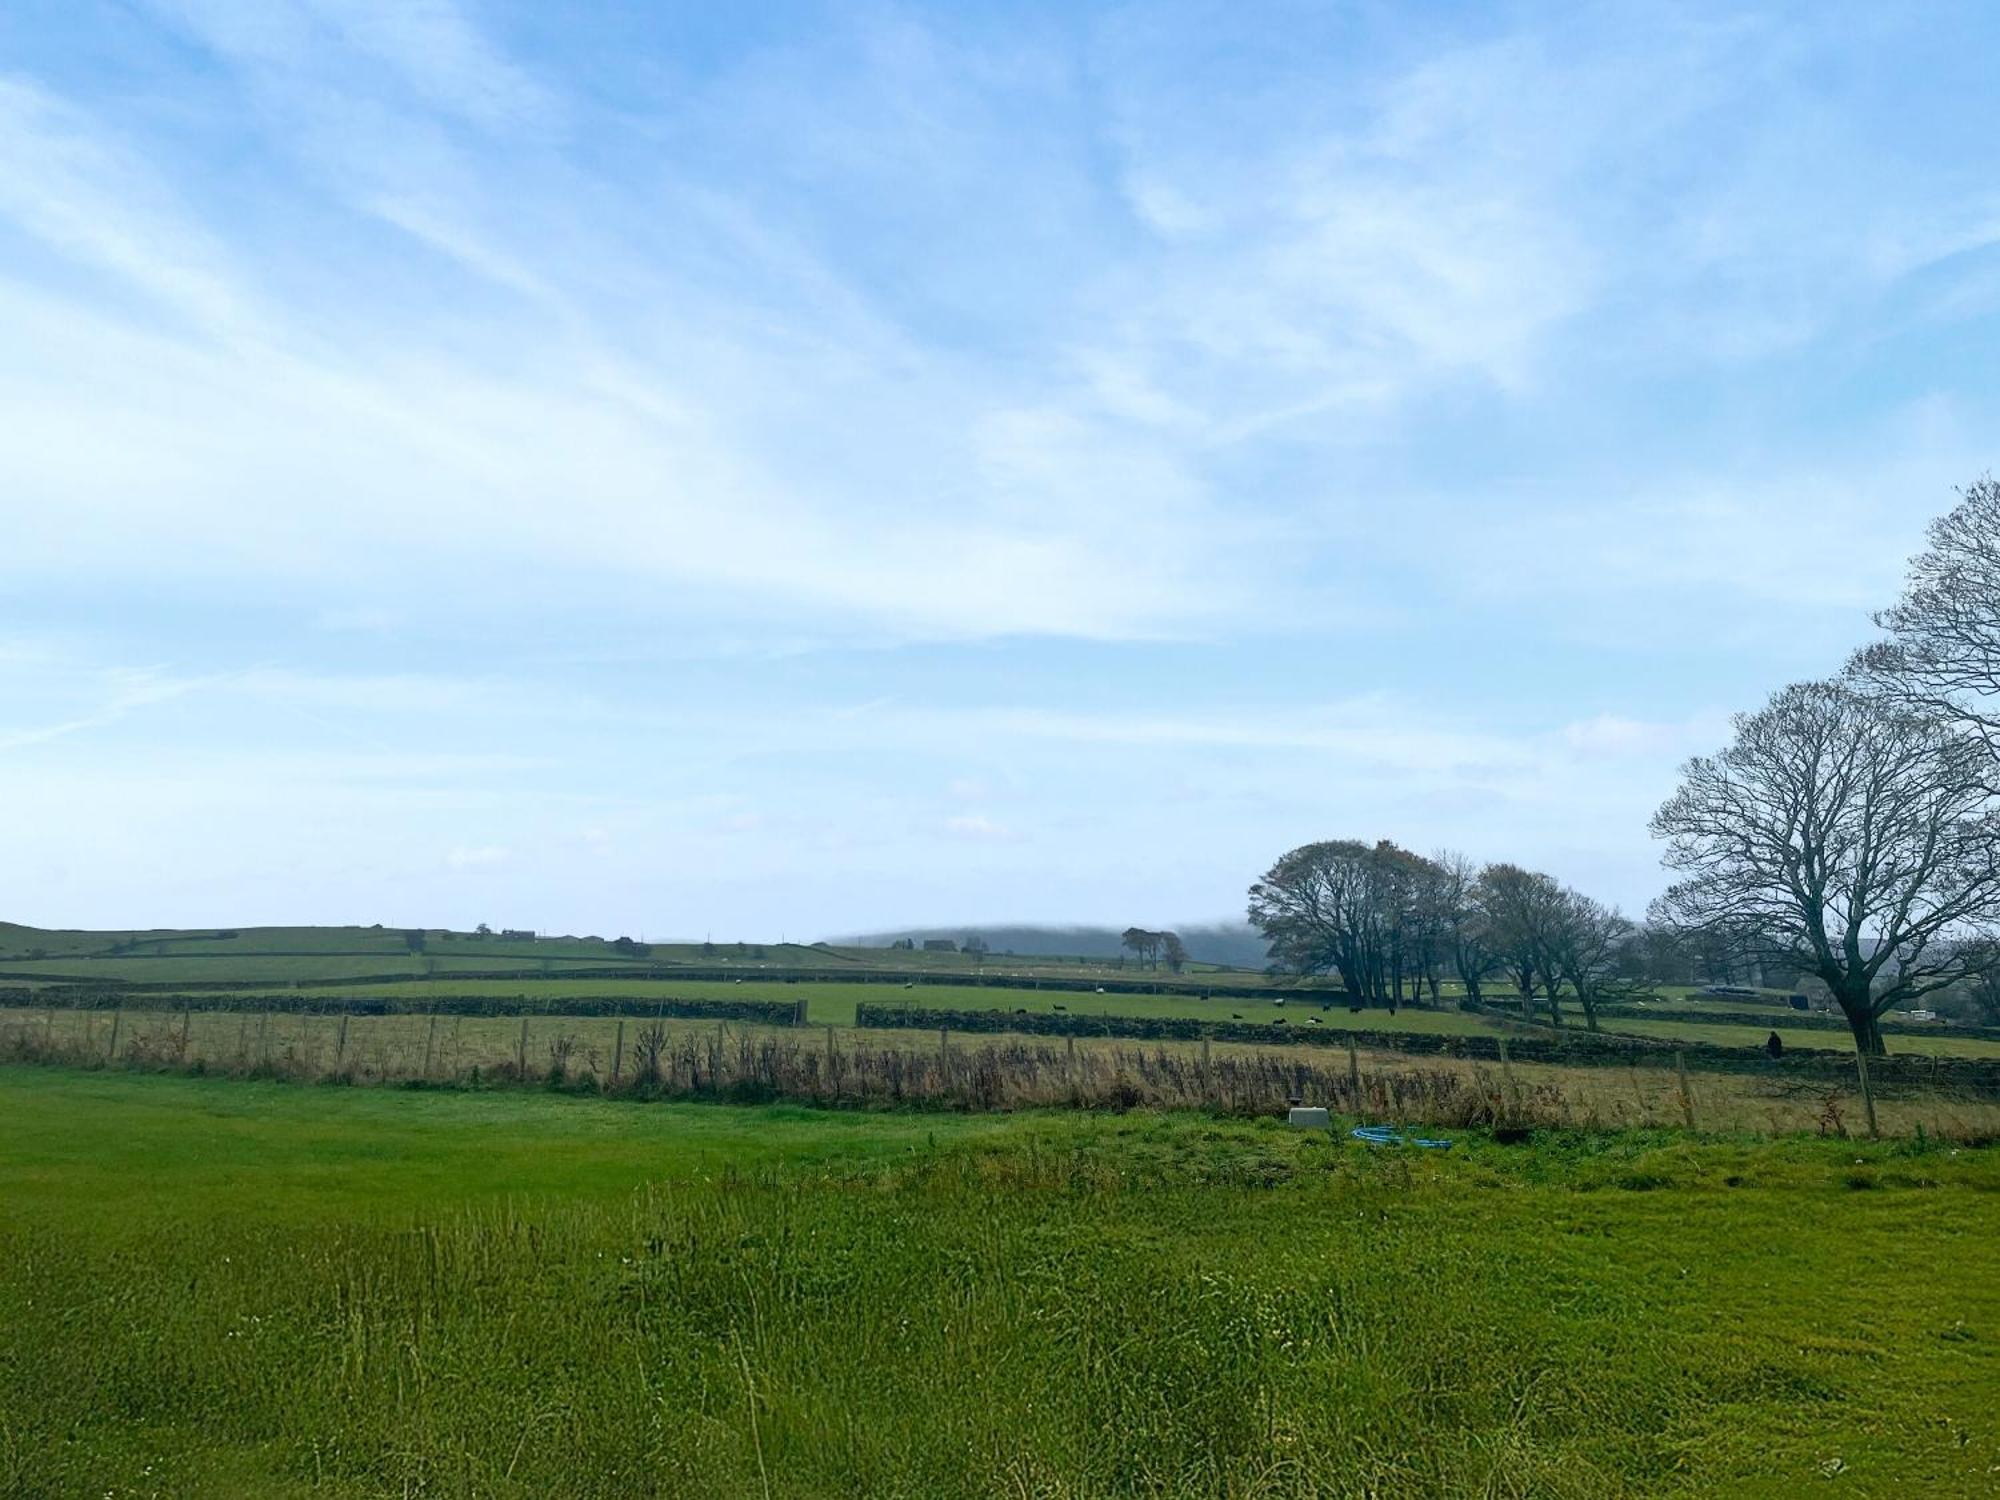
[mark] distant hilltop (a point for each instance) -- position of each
(1233, 944)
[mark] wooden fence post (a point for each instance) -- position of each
(117, 1018)
(521, 1053)
(187, 1022)
(264, 1039)
(618, 1055)
(340, 1045)
(430, 1045)
(1687, 1093)
(1354, 1070)
(1867, 1091)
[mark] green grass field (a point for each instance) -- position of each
(253, 969)
(1900, 1044)
(237, 1289)
(283, 954)
(283, 957)
(832, 1003)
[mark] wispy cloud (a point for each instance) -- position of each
(95, 200)
(1079, 449)
(432, 48)
(124, 692)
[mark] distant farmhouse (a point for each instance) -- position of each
(940, 945)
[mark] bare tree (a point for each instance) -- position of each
(1521, 909)
(1403, 905)
(1175, 951)
(1852, 835)
(1585, 943)
(1467, 935)
(1943, 652)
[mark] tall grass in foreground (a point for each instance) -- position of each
(1235, 1321)
(836, 1068)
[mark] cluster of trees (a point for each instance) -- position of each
(1390, 923)
(1850, 832)
(1150, 947)
(1851, 829)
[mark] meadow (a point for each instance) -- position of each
(253, 1288)
(832, 1003)
(323, 967)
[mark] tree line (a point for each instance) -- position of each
(1850, 831)
(1851, 828)
(1392, 925)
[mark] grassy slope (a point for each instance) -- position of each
(250, 1289)
(281, 968)
(253, 954)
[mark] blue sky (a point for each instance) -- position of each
(682, 469)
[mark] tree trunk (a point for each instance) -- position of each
(1866, 1028)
